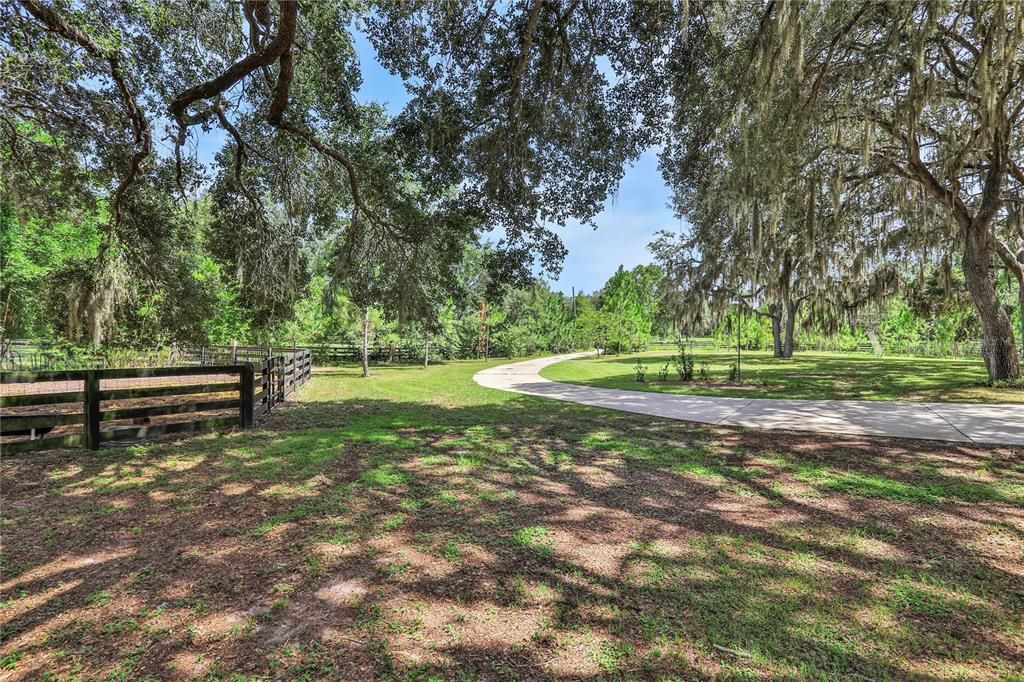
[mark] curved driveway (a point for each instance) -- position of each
(963, 422)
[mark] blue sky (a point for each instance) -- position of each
(629, 221)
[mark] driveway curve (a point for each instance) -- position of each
(959, 422)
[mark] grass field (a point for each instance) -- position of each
(807, 375)
(415, 526)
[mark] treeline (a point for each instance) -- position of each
(205, 299)
(923, 316)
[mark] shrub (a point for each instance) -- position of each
(705, 372)
(684, 362)
(640, 369)
(734, 372)
(663, 372)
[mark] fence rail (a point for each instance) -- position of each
(933, 349)
(42, 355)
(252, 390)
(397, 353)
(47, 356)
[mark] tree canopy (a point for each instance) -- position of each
(887, 134)
(827, 156)
(523, 121)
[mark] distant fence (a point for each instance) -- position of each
(394, 353)
(43, 355)
(326, 354)
(24, 355)
(27, 355)
(961, 349)
(958, 349)
(224, 395)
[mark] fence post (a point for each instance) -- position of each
(280, 380)
(245, 395)
(264, 386)
(234, 351)
(92, 410)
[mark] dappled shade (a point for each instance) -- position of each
(472, 532)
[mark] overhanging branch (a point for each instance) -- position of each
(140, 124)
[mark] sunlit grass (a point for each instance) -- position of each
(808, 375)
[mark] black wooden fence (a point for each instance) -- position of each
(28, 355)
(405, 352)
(390, 353)
(253, 389)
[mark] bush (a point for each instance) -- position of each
(705, 372)
(663, 372)
(734, 372)
(640, 369)
(684, 362)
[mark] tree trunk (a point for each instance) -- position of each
(426, 351)
(998, 346)
(366, 343)
(1014, 263)
(776, 331)
(1020, 299)
(787, 343)
(876, 341)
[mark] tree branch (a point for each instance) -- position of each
(1008, 258)
(270, 53)
(140, 124)
(239, 160)
(516, 104)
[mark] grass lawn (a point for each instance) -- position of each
(808, 375)
(415, 526)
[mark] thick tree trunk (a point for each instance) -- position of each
(1020, 299)
(998, 347)
(1014, 263)
(784, 311)
(783, 317)
(790, 329)
(366, 343)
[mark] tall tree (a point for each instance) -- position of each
(631, 300)
(523, 121)
(921, 103)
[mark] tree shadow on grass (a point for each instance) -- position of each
(527, 540)
(809, 376)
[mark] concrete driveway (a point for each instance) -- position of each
(962, 422)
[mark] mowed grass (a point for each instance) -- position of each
(808, 375)
(415, 526)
